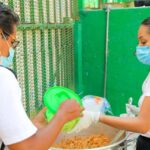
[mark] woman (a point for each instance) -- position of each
(139, 3)
(16, 129)
(141, 123)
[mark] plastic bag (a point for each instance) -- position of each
(96, 103)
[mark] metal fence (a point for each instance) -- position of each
(44, 57)
(99, 4)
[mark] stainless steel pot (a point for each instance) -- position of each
(99, 128)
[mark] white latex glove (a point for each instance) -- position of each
(86, 121)
(132, 110)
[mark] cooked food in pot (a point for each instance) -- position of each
(81, 142)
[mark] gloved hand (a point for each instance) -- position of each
(86, 121)
(132, 110)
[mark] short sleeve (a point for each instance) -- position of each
(146, 86)
(15, 126)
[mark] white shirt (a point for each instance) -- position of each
(145, 92)
(15, 126)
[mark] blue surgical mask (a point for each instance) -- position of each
(7, 61)
(143, 54)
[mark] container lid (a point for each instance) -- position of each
(54, 97)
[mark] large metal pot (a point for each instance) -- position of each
(99, 129)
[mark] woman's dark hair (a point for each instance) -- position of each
(8, 18)
(146, 22)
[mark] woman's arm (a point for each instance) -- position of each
(139, 124)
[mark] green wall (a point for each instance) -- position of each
(124, 73)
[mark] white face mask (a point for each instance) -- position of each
(7, 61)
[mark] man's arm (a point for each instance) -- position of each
(39, 120)
(46, 136)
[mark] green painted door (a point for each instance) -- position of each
(125, 74)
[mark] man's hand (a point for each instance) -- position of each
(39, 120)
(69, 110)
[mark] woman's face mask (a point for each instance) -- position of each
(143, 48)
(143, 54)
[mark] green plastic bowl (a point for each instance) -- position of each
(54, 97)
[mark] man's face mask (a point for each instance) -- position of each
(7, 61)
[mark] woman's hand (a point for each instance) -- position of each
(40, 120)
(69, 110)
(87, 120)
(132, 110)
